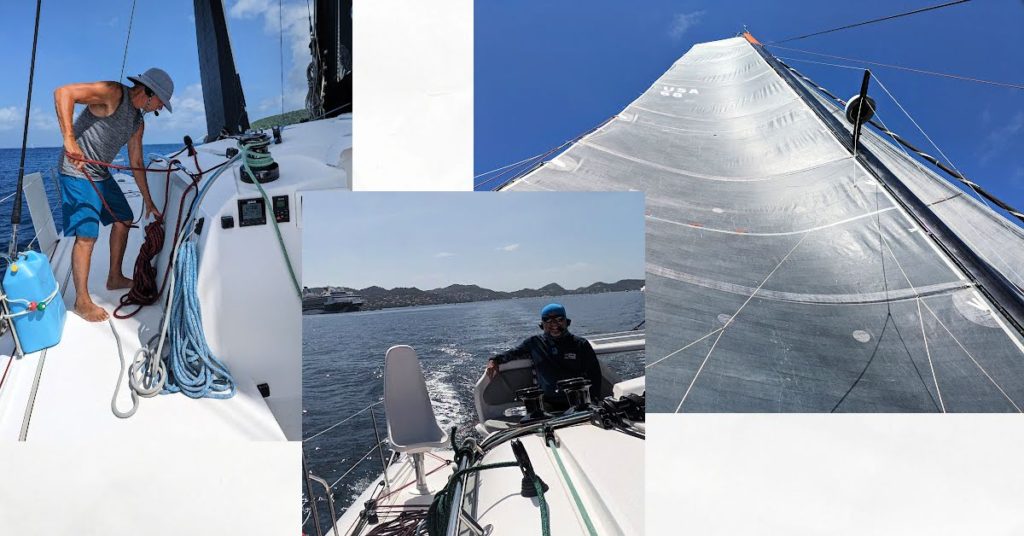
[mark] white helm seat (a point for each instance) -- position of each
(412, 426)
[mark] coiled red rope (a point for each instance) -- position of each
(144, 290)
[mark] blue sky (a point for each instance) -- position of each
(547, 71)
(81, 45)
(504, 241)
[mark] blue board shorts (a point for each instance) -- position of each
(83, 210)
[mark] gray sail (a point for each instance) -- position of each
(222, 88)
(782, 275)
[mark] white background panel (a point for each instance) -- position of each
(153, 487)
(803, 474)
(412, 95)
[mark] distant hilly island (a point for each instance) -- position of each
(380, 298)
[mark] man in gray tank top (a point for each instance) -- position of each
(113, 116)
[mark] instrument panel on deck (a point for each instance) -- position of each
(254, 211)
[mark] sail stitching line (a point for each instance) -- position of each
(781, 233)
(962, 347)
(696, 175)
(733, 318)
(815, 299)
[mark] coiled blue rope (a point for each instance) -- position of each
(192, 369)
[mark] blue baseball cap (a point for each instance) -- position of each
(552, 309)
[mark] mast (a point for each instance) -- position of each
(16, 211)
(994, 285)
(222, 88)
(333, 45)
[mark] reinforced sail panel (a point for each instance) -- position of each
(782, 276)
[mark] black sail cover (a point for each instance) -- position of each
(781, 276)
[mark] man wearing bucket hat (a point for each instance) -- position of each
(113, 117)
(556, 355)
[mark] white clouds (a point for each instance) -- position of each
(270, 105)
(999, 138)
(510, 247)
(249, 8)
(45, 120)
(10, 117)
(683, 22)
(294, 19)
(189, 117)
(443, 254)
(13, 118)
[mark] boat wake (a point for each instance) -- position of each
(445, 382)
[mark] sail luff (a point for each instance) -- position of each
(997, 288)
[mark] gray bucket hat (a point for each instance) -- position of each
(159, 82)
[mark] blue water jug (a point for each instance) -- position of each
(35, 302)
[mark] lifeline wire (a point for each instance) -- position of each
(534, 161)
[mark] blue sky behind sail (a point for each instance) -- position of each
(548, 71)
(504, 241)
(78, 44)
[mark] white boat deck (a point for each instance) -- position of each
(79, 375)
(605, 467)
(400, 496)
(251, 314)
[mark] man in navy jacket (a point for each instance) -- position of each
(556, 355)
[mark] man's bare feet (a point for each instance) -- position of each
(90, 311)
(116, 282)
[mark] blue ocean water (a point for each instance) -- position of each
(43, 160)
(343, 363)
